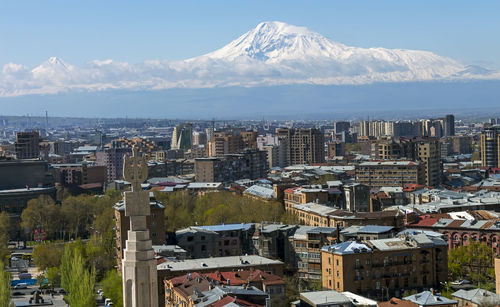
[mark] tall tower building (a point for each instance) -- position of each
(449, 125)
(490, 147)
(27, 145)
(303, 146)
(182, 137)
(139, 273)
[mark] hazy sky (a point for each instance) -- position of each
(133, 31)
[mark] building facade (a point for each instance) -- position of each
(375, 268)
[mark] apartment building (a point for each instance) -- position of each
(389, 173)
(307, 242)
(385, 267)
(490, 147)
(303, 146)
(299, 195)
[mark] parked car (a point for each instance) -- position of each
(21, 285)
(461, 282)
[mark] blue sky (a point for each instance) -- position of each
(133, 31)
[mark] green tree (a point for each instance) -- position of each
(4, 234)
(473, 262)
(47, 255)
(4, 286)
(54, 276)
(113, 288)
(76, 278)
(42, 212)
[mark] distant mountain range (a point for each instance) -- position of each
(272, 54)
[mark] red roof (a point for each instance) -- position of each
(228, 300)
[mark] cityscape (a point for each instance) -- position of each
(284, 168)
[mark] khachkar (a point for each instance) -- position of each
(139, 273)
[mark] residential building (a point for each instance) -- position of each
(307, 242)
(389, 173)
(490, 147)
(332, 298)
(199, 243)
(430, 299)
(113, 160)
(182, 137)
(170, 269)
(476, 298)
(385, 267)
(234, 239)
(303, 195)
(303, 146)
(184, 290)
(357, 197)
(27, 145)
(271, 241)
(249, 164)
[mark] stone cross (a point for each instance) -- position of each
(135, 169)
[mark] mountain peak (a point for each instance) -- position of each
(274, 41)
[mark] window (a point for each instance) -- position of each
(203, 238)
(190, 239)
(338, 274)
(337, 262)
(203, 247)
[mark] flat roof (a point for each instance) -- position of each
(216, 263)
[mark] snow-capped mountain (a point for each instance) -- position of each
(273, 53)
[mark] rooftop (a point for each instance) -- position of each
(426, 298)
(216, 263)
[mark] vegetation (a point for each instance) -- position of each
(4, 234)
(76, 216)
(184, 209)
(76, 278)
(294, 285)
(47, 255)
(4, 286)
(473, 262)
(113, 288)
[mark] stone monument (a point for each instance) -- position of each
(140, 288)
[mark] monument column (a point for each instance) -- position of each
(139, 273)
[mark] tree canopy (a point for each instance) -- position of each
(473, 262)
(185, 209)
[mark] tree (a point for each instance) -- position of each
(54, 276)
(41, 212)
(47, 255)
(473, 262)
(113, 288)
(76, 278)
(4, 286)
(4, 234)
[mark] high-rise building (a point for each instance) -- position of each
(490, 147)
(182, 137)
(303, 146)
(340, 127)
(199, 138)
(113, 160)
(449, 125)
(27, 145)
(427, 152)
